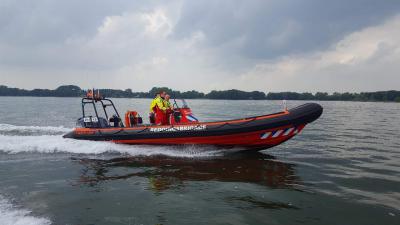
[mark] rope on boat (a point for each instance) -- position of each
(143, 130)
(236, 125)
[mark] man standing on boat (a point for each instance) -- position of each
(158, 108)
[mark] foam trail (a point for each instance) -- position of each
(18, 139)
(12, 130)
(10, 215)
(58, 144)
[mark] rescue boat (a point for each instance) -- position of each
(258, 132)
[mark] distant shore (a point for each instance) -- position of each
(75, 91)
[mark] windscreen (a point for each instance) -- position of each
(180, 103)
(184, 104)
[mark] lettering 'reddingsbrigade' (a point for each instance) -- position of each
(178, 128)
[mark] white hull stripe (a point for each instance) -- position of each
(281, 133)
(288, 131)
(277, 133)
(266, 135)
(191, 118)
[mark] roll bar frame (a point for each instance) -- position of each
(105, 102)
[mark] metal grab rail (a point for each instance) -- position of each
(104, 103)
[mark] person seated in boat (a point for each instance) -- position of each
(169, 108)
(167, 103)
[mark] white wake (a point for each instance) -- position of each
(12, 130)
(19, 139)
(11, 215)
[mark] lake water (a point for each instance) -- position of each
(342, 169)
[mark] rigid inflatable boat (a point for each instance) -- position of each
(259, 132)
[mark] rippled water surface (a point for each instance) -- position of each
(342, 169)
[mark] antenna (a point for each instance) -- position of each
(284, 105)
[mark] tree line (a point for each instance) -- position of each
(75, 91)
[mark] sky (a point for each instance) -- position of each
(265, 45)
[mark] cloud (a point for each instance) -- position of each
(364, 60)
(204, 45)
(270, 29)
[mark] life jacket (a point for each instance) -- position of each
(152, 105)
(89, 94)
(160, 112)
(159, 105)
(132, 118)
(167, 104)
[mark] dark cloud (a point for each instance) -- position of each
(202, 45)
(25, 22)
(267, 29)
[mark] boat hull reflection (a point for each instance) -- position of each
(169, 172)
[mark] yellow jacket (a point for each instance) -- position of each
(152, 105)
(167, 104)
(159, 102)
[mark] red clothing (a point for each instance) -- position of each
(162, 113)
(161, 117)
(168, 116)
